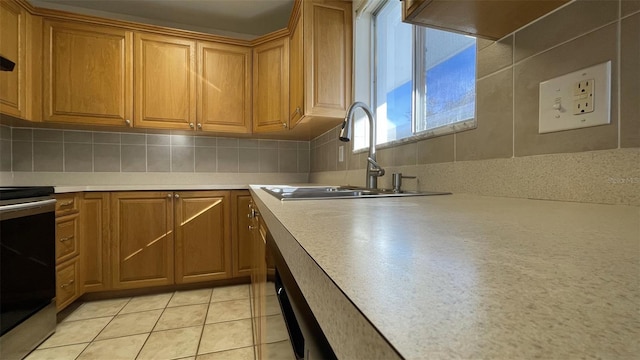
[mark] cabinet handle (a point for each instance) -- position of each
(67, 284)
(191, 125)
(298, 110)
(284, 125)
(67, 203)
(66, 238)
(176, 196)
(169, 196)
(128, 122)
(199, 126)
(251, 227)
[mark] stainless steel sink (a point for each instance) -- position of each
(337, 192)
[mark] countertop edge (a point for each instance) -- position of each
(336, 314)
(72, 188)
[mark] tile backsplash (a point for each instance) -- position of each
(508, 74)
(505, 155)
(46, 150)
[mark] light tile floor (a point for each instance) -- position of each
(197, 324)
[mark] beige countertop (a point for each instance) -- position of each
(79, 188)
(463, 276)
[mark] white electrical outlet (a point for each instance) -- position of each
(576, 100)
(583, 97)
(341, 153)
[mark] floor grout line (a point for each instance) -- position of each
(206, 315)
(154, 325)
(210, 302)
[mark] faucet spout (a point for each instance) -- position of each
(374, 170)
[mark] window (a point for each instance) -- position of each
(423, 79)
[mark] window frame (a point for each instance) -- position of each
(418, 85)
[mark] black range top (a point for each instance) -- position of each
(23, 192)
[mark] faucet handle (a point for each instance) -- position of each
(374, 163)
(377, 169)
(396, 181)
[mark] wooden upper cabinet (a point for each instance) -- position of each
(12, 40)
(271, 85)
(328, 37)
(486, 19)
(321, 54)
(410, 6)
(142, 249)
(202, 225)
(224, 88)
(87, 74)
(296, 70)
(165, 82)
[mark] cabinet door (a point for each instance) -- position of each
(261, 286)
(271, 86)
(409, 6)
(67, 235)
(94, 242)
(296, 73)
(67, 284)
(203, 244)
(87, 74)
(141, 239)
(165, 82)
(241, 234)
(327, 61)
(12, 39)
(258, 280)
(486, 19)
(224, 88)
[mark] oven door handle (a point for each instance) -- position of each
(31, 208)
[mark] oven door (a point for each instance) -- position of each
(27, 274)
(305, 334)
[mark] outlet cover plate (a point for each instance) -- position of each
(557, 100)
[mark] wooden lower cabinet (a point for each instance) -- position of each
(162, 238)
(202, 232)
(67, 283)
(241, 234)
(125, 240)
(95, 256)
(258, 281)
(67, 245)
(67, 237)
(142, 246)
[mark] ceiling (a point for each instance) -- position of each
(242, 18)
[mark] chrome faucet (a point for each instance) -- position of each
(374, 170)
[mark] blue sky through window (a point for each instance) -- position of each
(450, 87)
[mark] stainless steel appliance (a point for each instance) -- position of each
(27, 269)
(305, 334)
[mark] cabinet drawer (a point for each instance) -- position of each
(66, 237)
(66, 204)
(67, 284)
